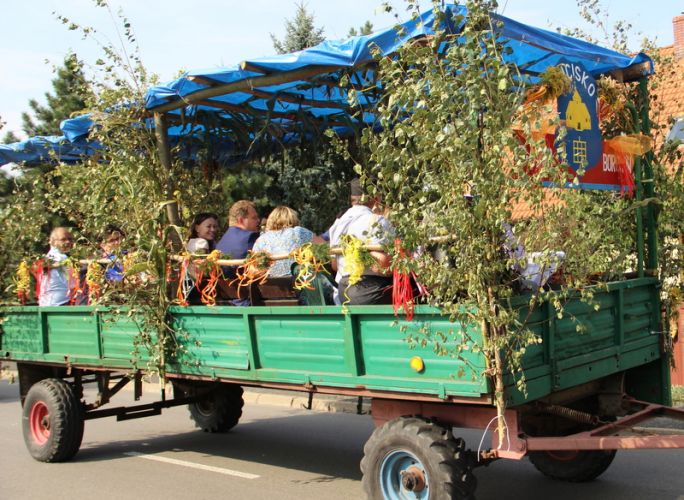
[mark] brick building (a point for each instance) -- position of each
(671, 96)
(671, 89)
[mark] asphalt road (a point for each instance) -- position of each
(274, 453)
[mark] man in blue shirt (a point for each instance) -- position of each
(243, 230)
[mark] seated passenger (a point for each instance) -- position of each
(201, 241)
(375, 286)
(283, 234)
(243, 231)
(203, 232)
(58, 284)
(110, 244)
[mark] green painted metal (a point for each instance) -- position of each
(649, 180)
(367, 348)
(638, 194)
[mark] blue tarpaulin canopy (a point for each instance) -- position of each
(303, 88)
(46, 150)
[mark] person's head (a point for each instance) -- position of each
(243, 214)
(111, 239)
(280, 218)
(204, 225)
(359, 197)
(61, 239)
(356, 191)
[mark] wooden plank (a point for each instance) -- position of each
(247, 66)
(246, 85)
(203, 80)
(248, 110)
(298, 99)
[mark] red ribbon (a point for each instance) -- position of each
(402, 291)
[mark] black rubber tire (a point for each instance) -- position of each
(220, 410)
(574, 467)
(449, 475)
(64, 420)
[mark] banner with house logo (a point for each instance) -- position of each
(583, 144)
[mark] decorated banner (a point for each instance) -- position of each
(604, 167)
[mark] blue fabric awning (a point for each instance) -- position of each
(303, 88)
(49, 149)
(304, 85)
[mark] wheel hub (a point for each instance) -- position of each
(39, 422)
(413, 479)
(206, 407)
(403, 476)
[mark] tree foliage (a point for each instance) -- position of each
(666, 157)
(10, 137)
(311, 177)
(300, 32)
(447, 120)
(70, 93)
(365, 29)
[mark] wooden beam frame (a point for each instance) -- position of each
(245, 85)
(264, 114)
(280, 96)
(297, 99)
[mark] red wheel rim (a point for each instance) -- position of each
(39, 420)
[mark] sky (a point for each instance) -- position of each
(175, 35)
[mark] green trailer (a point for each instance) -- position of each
(587, 395)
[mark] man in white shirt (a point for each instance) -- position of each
(56, 283)
(375, 286)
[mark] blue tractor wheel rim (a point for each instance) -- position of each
(394, 463)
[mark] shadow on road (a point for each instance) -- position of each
(329, 446)
(295, 442)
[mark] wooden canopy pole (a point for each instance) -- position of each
(161, 133)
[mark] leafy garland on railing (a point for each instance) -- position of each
(22, 282)
(311, 260)
(203, 272)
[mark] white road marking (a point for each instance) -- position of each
(192, 465)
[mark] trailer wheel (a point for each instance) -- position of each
(410, 457)
(573, 466)
(52, 421)
(220, 410)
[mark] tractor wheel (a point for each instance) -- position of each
(412, 458)
(220, 410)
(573, 466)
(52, 421)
